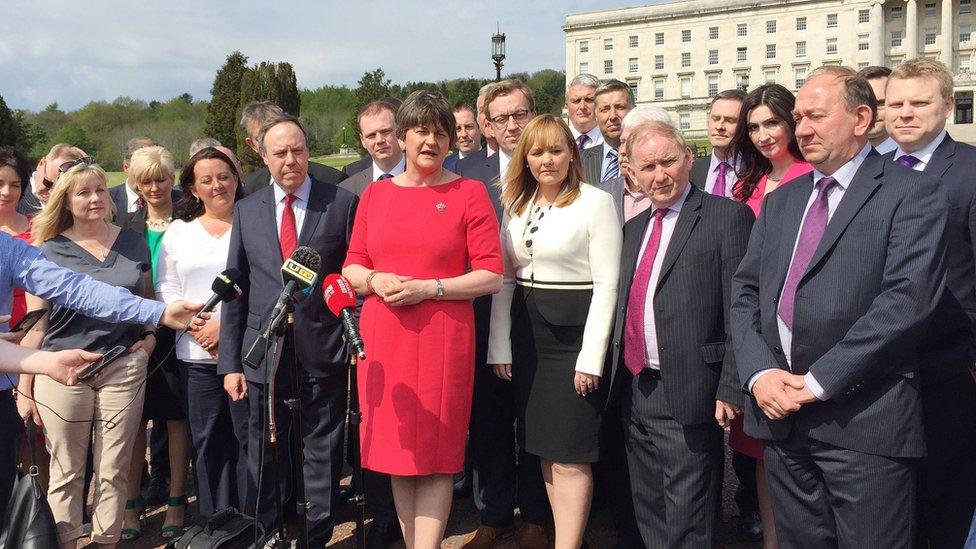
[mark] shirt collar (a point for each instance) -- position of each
(925, 153)
(503, 161)
(301, 193)
(676, 207)
(845, 174)
(130, 194)
(395, 171)
(607, 148)
(713, 164)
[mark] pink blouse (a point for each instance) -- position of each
(795, 170)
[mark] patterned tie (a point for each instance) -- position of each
(288, 237)
(386, 176)
(613, 169)
(720, 181)
(140, 203)
(814, 224)
(582, 140)
(908, 161)
(635, 347)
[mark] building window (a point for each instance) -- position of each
(831, 46)
(742, 81)
(607, 44)
(965, 6)
(633, 89)
(771, 26)
(658, 90)
(712, 33)
(930, 9)
(658, 38)
(896, 12)
(684, 121)
(801, 23)
(742, 29)
(633, 41)
(862, 65)
(741, 54)
(686, 35)
(863, 42)
(800, 76)
(712, 85)
(863, 16)
(686, 87)
(770, 76)
(659, 62)
(632, 64)
(770, 51)
(929, 37)
(964, 107)
(965, 64)
(895, 39)
(801, 49)
(584, 46)
(686, 59)
(608, 66)
(713, 57)
(965, 33)
(584, 68)
(831, 20)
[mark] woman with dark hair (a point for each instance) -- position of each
(424, 245)
(768, 153)
(193, 253)
(14, 175)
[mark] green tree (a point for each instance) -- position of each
(548, 90)
(225, 101)
(266, 82)
(12, 130)
(73, 134)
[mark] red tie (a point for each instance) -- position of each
(288, 237)
(635, 346)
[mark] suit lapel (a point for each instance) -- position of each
(687, 220)
(633, 237)
(941, 159)
(269, 220)
(313, 212)
(791, 219)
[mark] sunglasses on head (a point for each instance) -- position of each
(86, 160)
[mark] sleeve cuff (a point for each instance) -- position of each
(815, 388)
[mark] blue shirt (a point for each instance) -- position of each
(24, 266)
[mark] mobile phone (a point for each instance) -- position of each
(28, 321)
(101, 363)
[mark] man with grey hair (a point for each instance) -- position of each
(581, 107)
(614, 100)
(254, 115)
(203, 143)
(44, 177)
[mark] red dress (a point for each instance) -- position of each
(415, 386)
(18, 307)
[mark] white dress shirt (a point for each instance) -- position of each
(843, 176)
(886, 146)
(503, 159)
(595, 135)
(189, 260)
(606, 160)
(730, 176)
(924, 154)
(131, 197)
(667, 229)
(395, 171)
(299, 205)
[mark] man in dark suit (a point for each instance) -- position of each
(468, 135)
(391, 104)
(715, 174)
(613, 101)
(44, 177)
(843, 269)
(125, 196)
(501, 482)
(581, 108)
(920, 99)
(268, 226)
(673, 370)
(377, 130)
(252, 118)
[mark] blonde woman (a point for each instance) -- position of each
(73, 230)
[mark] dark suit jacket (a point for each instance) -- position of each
(318, 172)
(949, 345)
(872, 282)
(592, 159)
(357, 182)
(254, 250)
(450, 163)
(615, 187)
(357, 166)
(29, 204)
(699, 171)
(121, 201)
(691, 304)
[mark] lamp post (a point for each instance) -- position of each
(498, 53)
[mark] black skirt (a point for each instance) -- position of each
(555, 423)
(164, 391)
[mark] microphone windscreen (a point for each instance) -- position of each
(338, 293)
(227, 285)
(307, 257)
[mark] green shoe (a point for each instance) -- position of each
(129, 533)
(170, 531)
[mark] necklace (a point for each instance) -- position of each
(158, 225)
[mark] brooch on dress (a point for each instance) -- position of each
(441, 206)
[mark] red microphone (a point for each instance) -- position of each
(340, 298)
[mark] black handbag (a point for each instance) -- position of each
(29, 523)
(227, 529)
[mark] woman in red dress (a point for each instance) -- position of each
(14, 175)
(424, 244)
(769, 157)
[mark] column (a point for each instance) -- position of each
(948, 34)
(878, 40)
(911, 29)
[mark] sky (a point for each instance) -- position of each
(72, 52)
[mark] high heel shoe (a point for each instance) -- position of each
(170, 531)
(129, 533)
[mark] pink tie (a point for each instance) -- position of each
(635, 346)
(720, 181)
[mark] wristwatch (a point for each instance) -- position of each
(440, 288)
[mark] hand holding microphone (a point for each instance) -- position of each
(340, 298)
(226, 287)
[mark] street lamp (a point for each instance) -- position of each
(498, 53)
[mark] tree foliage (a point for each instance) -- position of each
(266, 82)
(225, 100)
(12, 129)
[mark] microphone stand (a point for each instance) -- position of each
(276, 331)
(354, 418)
(294, 404)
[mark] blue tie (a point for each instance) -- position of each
(613, 168)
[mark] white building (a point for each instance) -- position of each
(679, 54)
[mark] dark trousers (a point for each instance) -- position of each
(11, 428)
(612, 481)
(504, 477)
(747, 494)
(825, 496)
(158, 436)
(213, 422)
(675, 469)
(947, 476)
(323, 405)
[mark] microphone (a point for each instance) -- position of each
(226, 287)
(340, 298)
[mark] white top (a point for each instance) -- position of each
(130, 197)
(397, 170)
(595, 135)
(579, 242)
(189, 261)
(503, 160)
(730, 176)
(924, 155)
(298, 206)
(653, 359)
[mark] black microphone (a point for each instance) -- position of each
(226, 287)
(340, 298)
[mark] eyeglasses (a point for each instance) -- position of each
(86, 160)
(519, 116)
